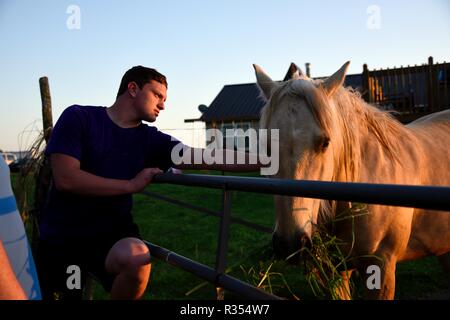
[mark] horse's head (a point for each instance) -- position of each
(302, 109)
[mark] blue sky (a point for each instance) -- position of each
(199, 45)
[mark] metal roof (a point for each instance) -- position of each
(235, 102)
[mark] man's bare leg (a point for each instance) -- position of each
(129, 260)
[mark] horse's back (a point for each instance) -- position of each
(433, 129)
(442, 117)
(433, 134)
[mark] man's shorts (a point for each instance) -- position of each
(53, 262)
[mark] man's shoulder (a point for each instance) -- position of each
(79, 113)
(153, 131)
(159, 136)
(149, 128)
(82, 109)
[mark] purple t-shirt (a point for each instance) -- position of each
(107, 150)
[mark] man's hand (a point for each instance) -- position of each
(175, 171)
(142, 179)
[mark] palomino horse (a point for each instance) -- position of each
(328, 133)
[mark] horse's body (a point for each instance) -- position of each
(329, 133)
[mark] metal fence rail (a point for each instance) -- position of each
(424, 197)
(209, 274)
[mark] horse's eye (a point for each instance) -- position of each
(325, 143)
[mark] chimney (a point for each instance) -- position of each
(308, 72)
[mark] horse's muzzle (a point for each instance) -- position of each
(290, 250)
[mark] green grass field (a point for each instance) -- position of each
(195, 236)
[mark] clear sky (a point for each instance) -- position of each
(199, 45)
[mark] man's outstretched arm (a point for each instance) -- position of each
(69, 177)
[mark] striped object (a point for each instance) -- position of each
(14, 239)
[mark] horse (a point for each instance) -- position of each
(329, 133)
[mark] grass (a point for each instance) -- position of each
(195, 236)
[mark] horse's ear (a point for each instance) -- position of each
(264, 82)
(336, 80)
(294, 72)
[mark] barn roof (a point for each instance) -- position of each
(235, 102)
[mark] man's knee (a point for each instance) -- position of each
(128, 253)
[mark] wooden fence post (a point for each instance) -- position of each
(47, 118)
(44, 174)
(365, 84)
(431, 86)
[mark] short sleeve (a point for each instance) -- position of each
(66, 136)
(161, 147)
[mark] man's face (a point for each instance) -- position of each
(149, 100)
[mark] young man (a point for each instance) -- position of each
(101, 156)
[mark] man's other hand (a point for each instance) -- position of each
(142, 179)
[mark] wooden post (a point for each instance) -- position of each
(44, 173)
(389, 93)
(418, 98)
(376, 88)
(430, 86)
(365, 84)
(445, 86)
(410, 90)
(47, 119)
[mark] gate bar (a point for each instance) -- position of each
(209, 274)
(424, 197)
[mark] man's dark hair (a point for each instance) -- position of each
(141, 75)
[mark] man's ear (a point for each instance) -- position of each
(132, 88)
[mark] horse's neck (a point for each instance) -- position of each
(374, 151)
(375, 161)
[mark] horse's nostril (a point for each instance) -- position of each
(277, 245)
(275, 240)
(282, 248)
(274, 237)
(305, 241)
